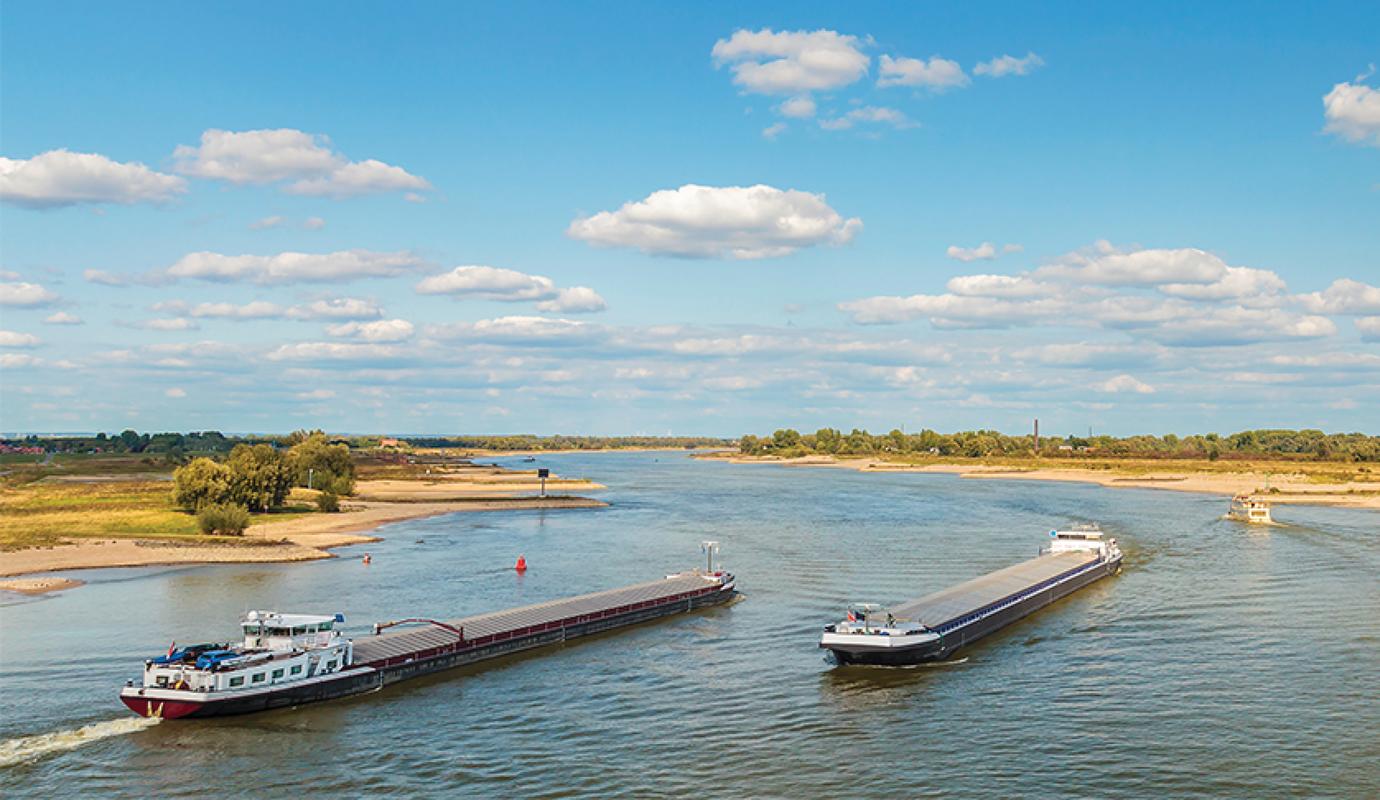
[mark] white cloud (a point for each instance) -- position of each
(516, 329)
(983, 252)
(1352, 111)
(1002, 66)
(175, 392)
(362, 177)
(575, 300)
(1107, 266)
(1369, 328)
(1344, 296)
(741, 222)
(17, 339)
(285, 154)
(26, 295)
(267, 222)
(17, 360)
(950, 310)
(773, 130)
(338, 308)
(802, 107)
(383, 330)
(996, 286)
(332, 351)
(878, 114)
(489, 283)
(291, 267)
(100, 276)
(1124, 383)
(169, 324)
(63, 178)
(257, 309)
(314, 223)
(937, 74)
(1237, 282)
(789, 62)
(62, 318)
(315, 394)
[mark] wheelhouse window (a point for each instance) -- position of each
(237, 681)
(259, 677)
(296, 669)
(277, 673)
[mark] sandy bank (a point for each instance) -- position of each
(304, 538)
(39, 585)
(1297, 489)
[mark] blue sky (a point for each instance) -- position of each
(643, 218)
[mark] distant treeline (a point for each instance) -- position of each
(532, 442)
(1311, 445)
(210, 442)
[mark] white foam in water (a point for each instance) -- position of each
(32, 748)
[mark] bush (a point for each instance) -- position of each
(217, 519)
(328, 502)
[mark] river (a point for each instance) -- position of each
(1225, 661)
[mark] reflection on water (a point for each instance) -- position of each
(1224, 660)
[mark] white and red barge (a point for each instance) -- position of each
(291, 659)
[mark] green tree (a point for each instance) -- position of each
(315, 461)
(260, 479)
(202, 482)
(220, 519)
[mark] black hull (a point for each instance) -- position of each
(381, 676)
(953, 641)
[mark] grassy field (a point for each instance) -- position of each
(79, 496)
(1315, 471)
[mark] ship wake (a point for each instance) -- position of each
(32, 748)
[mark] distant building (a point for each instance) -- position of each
(391, 443)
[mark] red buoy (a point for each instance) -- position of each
(521, 565)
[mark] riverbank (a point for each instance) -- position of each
(116, 520)
(1288, 482)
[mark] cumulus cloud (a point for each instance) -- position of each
(951, 310)
(517, 329)
(801, 107)
(773, 130)
(17, 360)
(937, 74)
(383, 330)
(489, 283)
(63, 178)
(740, 222)
(333, 351)
(1352, 111)
(338, 308)
(17, 339)
(285, 154)
(62, 318)
(575, 300)
(1107, 266)
(1005, 65)
(997, 286)
(169, 324)
(1369, 328)
(26, 295)
(791, 62)
(983, 252)
(1236, 282)
(1124, 383)
(291, 267)
(1344, 296)
(314, 223)
(175, 393)
(875, 114)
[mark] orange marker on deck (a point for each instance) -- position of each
(521, 565)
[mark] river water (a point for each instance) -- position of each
(1225, 661)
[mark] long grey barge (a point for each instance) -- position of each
(935, 626)
(291, 659)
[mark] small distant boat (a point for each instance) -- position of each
(1250, 508)
(529, 460)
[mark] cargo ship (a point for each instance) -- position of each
(937, 625)
(291, 659)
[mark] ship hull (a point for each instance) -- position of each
(359, 679)
(954, 640)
